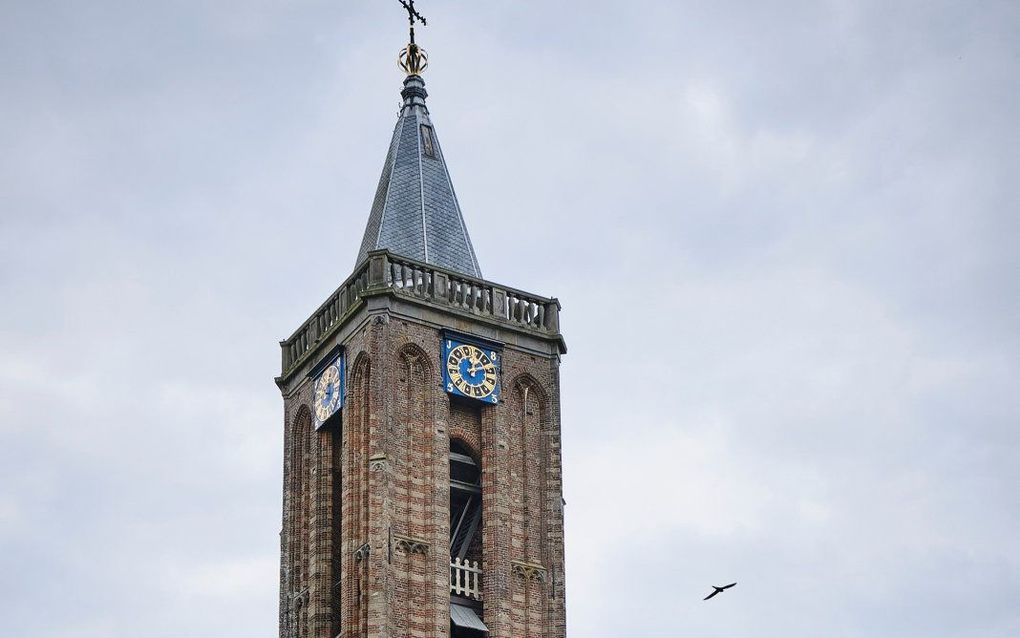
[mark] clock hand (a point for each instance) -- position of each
(474, 365)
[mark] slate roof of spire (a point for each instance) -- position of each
(415, 213)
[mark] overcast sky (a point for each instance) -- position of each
(785, 236)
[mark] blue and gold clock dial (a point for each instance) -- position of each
(472, 371)
(328, 393)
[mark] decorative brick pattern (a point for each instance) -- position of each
(364, 548)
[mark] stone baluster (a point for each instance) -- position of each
(376, 275)
(440, 286)
(552, 316)
(499, 303)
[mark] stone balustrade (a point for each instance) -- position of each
(383, 272)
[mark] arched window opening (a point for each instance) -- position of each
(465, 504)
(465, 543)
(463, 467)
(300, 508)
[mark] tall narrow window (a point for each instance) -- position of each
(427, 144)
(465, 544)
(465, 504)
(298, 541)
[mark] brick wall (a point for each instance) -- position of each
(384, 482)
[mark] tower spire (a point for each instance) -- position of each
(415, 212)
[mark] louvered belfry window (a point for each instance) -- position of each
(465, 504)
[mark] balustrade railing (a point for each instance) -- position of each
(329, 314)
(472, 295)
(465, 578)
(386, 271)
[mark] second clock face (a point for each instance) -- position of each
(327, 394)
(472, 372)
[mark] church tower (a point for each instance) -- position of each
(422, 474)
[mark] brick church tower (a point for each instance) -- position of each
(422, 476)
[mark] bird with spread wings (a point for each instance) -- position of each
(719, 590)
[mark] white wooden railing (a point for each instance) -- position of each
(465, 578)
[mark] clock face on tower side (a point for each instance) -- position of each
(472, 371)
(328, 393)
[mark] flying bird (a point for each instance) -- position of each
(719, 590)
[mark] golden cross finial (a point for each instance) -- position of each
(413, 59)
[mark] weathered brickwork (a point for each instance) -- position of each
(366, 527)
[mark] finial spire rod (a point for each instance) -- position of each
(413, 16)
(413, 58)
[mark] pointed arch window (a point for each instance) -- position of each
(298, 537)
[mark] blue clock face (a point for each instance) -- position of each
(328, 392)
(472, 371)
